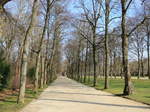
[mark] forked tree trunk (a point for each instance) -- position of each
(25, 54)
(41, 42)
(127, 76)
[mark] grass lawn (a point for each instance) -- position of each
(9, 104)
(141, 88)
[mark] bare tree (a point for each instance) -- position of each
(107, 12)
(125, 4)
(24, 61)
(92, 17)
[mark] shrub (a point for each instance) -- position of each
(4, 74)
(31, 73)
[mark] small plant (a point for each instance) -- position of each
(4, 72)
(31, 73)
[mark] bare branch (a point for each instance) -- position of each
(3, 2)
(138, 25)
(128, 5)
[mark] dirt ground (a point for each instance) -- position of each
(66, 95)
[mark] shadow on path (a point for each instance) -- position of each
(97, 103)
(71, 93)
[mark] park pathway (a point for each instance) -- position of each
(66, 95)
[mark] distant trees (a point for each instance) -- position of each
(92, 16)
(49, 5)
(137, 47)
(104, 37)
(30, 47)
(116, 37)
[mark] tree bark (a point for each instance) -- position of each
(41, 40)
(37, 74)
(42, 72)
(16, 81)
(107, 2)
(127, 76)
(78, 60)
(115, 70)
(89, 66)
(142, 65)
(25, 54)
(45, 71)
(139, 65)
(94, 56)
(148, 52)
(86, 58)
(82, 65)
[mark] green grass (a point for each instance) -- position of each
(141, 88)
(10, 105)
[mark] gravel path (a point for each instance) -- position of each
(66, 95)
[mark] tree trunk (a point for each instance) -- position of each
(25, 54)
(142, 65)
(139, 67)
(115, 66)
(37, 74)
(3, 17)
(78, 61)
(86, 59)
(16, 81)
(82, 66)
(94, 56)
(111, 67)
(42, 72)
(148, 56)
(41, 39)
(89, 66)
(103, 66)
(45, 72)
(107, 2)
(127, 76)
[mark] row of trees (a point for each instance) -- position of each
(103, 46)
(30, 43)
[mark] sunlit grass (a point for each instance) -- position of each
(10, 102)
(141, 88)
